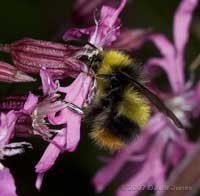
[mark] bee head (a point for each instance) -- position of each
(91, 55)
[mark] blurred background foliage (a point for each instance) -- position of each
(47, 20)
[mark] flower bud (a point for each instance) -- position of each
(30, 55)
(12, 103)
(11, 74)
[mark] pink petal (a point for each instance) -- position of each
(73, 131)
(84, 9)
(30, 104)
(48, 85)
(152, 62)
(51, 153)
(170, 62)
(7, 127)
(163, 44)
(7, 184)
(75, 93)
(76, 33)
(39, 181)
(69, 137)
(173, 55)
(175, 152)
(107, 29)
(112, 20)
(182, 20)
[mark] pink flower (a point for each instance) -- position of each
(84, 10)
(67, 138)
(107, 29)
(161, 145)
(172, 60)
(66, 112)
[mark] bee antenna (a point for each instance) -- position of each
(79, 42)
(92, 45)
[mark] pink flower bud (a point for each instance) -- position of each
(12, 103)
(31, 55)
(10, 74)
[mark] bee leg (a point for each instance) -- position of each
(74, 108)
(104, 76)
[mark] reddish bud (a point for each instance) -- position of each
(12, 103)
(31, 55)
(11, 74)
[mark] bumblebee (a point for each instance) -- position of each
(119, 108)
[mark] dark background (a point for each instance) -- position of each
(46, 19)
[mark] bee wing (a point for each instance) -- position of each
(154, 100)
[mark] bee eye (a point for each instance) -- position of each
(84, 58)
(98, 58)
(92, 60)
